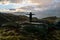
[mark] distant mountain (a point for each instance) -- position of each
(4, 18)
(52, 17)
(8, 17)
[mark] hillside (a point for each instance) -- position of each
(15, 31)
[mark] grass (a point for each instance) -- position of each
(7, 34)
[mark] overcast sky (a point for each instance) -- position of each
(42, 8)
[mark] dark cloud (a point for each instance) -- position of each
(47, 13)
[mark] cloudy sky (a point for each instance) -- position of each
(42, 8)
